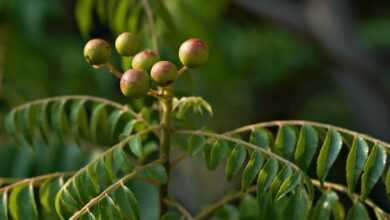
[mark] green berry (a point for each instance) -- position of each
(97, 51)
(144, 60)
(164, 73)
(135, 83)
(127, 44)
(193, 52)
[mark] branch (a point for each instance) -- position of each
(34, 180)
(179, 207)
(110, 189)
(342, 189)
(114, 71)
(237, 195)
(79, 97)
(102, 155)
(244, 143)
(226, 199)
(301, 123)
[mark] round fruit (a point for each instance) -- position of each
(127, 44)
(135, 83)
(144, 60)
(97, 51)
(164, 73)
(193, 52)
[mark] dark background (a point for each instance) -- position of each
(321, 60)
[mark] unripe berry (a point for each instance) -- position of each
(193, 52)
(127, 44)
(164, 73)
(144, 60)
(135, 83)
(97, 51)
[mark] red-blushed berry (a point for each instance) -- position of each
(97, 51)
(164, 73)
(144, 60)
(127, 44)
(193, 53)
(135, 83)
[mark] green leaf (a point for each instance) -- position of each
(22, 203)
(83, 14)
(135, 145)
(251, 170)
(338, 211)
(127, 203)
(47, 194)
(79, 119)
(387, 182)
(358, 212)
(3, 205)
(115, 124)
(285, 142)
(288, 185)
(299, 206)
(262, 137)
(219, 151)
(98, 124)
(328, 153)
(59, 119)
(267, 175)
(235, 161)
(325, 205)
(108, 210)
(249, 208)
(128, 130)
(10, 127)
(171, 216)
(120, 15)
(43, 120)
(88, 216)
(227, 212)
(306, 147)
(373, 169)
(101, 9)
(27, 121)
(156, 172)
(283, 174)
(196, 143)
(355, 162)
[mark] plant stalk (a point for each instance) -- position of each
(166, 108)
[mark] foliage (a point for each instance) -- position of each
(283, 167)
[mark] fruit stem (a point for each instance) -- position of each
(113, 70)
(182, 70)
(166, 108)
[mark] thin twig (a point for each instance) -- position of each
(78, 97)
(354, 196)
(113, 70)
(237, 195)
(110, 189)
(34, 180)
(302, 122)
(152, 27)
(179, 207)
(182, 70)
(244, 143)
(118, 145)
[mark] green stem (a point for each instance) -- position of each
(166, 108)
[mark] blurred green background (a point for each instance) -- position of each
(318, 60)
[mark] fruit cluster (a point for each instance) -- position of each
(135, 82)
